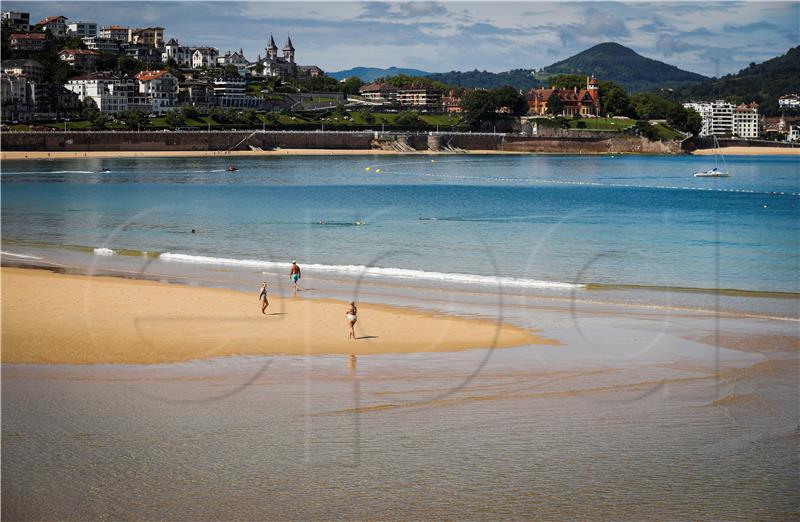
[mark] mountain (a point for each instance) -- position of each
(518, 78)
(619, 64)
(368, 74)
(763, 83)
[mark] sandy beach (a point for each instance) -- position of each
(751, 151)
(54, 318)
(38, 155)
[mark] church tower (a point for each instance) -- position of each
(272, 49)
(288, 50)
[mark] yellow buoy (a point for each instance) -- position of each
(377, 170)
(367, 169)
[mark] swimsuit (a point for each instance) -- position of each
(295, 277)
(352, 318)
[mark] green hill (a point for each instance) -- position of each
(368, 74)
(763, 83)
(517, 78)
(614, 62)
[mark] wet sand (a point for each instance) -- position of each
(66, 319)
(751, 151)
(39, 155)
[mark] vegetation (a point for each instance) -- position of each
(619, 64)
(763, 83)
(493, 106)
(369, 74)
(517, 78)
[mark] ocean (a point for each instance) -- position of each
(622, 229)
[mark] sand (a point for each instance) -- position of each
(751, 151)
(67, 319)
(38, 155)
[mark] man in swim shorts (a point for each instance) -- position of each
(294, 276)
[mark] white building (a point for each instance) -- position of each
(110, 94)
(114, 32)
(746, 121)
(82, 29)
(180, 54)
(723, 118)
(56, 24)
(204, 57)
(236, 59)
(789, 101)
(103, 45)
(31, 69)
(232, 92)
(160, 87)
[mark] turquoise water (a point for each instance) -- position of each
(549, 222)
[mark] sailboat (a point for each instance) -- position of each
(715, 172)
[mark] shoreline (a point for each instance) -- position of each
(750, 151)
(107, 320)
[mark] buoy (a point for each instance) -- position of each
(765, 206)
(367, 169)
(377, 170)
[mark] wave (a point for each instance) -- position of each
(377, 272)
(102, 251)
(21, 256)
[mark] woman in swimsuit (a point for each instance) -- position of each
(262, 297)
(352, 318)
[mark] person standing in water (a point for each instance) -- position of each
(294, 276)
(262, 297)
(352, 317)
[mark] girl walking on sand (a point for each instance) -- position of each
(352, 318)
(262, 297)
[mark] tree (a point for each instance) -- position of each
(173, 118)
(554, 105)
(367, 116)
(477, 107)
(132, 119)
(230, 71)
(89, 108)
(643, 128)
(99, 121)
(509, 100)
(614, 99)
(410, 119)
(258, 68)
(189, 112)
(568, 81)
(351, 85)
(694, 122)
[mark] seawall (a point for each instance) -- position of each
(579, 143)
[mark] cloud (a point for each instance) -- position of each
(669, 45)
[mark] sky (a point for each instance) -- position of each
(711, 38)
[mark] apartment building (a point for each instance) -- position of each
(82, 29)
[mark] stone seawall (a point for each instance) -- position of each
(170, 141)
(605, 143)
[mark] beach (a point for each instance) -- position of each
(51, 318)
(750, 151)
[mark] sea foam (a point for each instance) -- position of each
(376, 272)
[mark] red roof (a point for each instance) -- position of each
(49, 19)
(116, 27)
(146, 76)
(28, 36)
